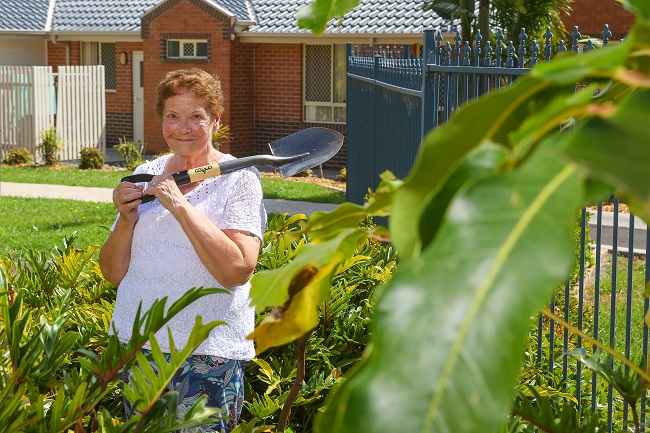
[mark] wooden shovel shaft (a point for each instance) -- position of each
(198, 174)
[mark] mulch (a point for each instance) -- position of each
(329, 183)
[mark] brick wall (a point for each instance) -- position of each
(56, 54)
(242, 103)
(279, 97)
(119, 126)
(591, 15)
(278, 82)
(182, 19)
(119, 103)
(278, 92)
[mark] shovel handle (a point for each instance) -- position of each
(179, 177)
(212, 170)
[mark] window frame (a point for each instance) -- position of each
(331, 104)
(182, 42)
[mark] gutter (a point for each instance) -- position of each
(307, 36)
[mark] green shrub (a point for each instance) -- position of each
(60, 370)
(18, 155)
(91, 158)
(336, 344)
(305, 173)
(221, 135)
(343, 174)
(131, 152)
(49, 146)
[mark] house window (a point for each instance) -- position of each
(325, 83)
(101, 53)
(187, 49)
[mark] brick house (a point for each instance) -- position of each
(589, 16)
(277, 78)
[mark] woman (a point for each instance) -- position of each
(203, 234)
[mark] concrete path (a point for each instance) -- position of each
(627, 228)
(105, 195)
(631, 230)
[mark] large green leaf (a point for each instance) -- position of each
(444, 148)
(315, 16)
(451, 325)
(615, 148)
(300, 287)
(640, 6)
(481, 161)
(497, 119)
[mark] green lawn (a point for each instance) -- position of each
(71, 176)
(273, 188)
(41, 223)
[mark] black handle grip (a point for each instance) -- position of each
(181, 178)
(146, 198)
(135, 178)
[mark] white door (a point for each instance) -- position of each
(138, 97)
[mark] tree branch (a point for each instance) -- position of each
(297, 384)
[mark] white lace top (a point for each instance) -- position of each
(164, 263)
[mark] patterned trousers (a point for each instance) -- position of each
(221, 379)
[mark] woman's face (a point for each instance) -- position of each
(188, 124)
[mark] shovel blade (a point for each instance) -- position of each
(318, 144)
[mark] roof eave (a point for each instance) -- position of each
(98, 36)
(296, 38)
(243, 25)
(25, 34)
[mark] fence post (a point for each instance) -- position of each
(429, 104)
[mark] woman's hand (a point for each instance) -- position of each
(126, 199)
(164, 188)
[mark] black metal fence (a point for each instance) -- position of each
(395, 97)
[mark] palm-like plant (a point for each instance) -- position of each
(509, 16)
(463, 10)
(533, 15)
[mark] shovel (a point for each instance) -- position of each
(292, 154)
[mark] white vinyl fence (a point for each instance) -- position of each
(32, 99)
(27, 105)
(81, 109)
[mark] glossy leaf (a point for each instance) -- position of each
(147, 386)
(300, 287)
(325, 225)
(482, 161)
(495, 119)
(615, 148)
(315, 16)
(437, 321)
(488, 119)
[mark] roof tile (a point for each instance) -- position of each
(273, 16)
(28, 15)
(371, 16)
